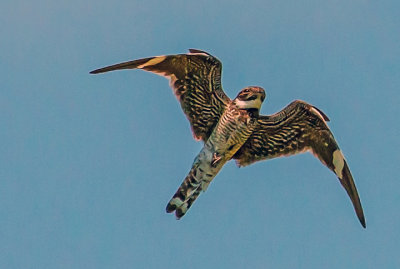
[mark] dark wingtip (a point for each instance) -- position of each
(101, 70)
(124, 65)
(362, 220)
(350, 187)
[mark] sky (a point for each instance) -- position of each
(89, 162)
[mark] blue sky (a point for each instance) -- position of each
(88, 163)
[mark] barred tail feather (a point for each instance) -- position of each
(185, 195)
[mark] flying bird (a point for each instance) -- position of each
(234, 129)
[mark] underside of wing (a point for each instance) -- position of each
(299, 127)
(196, 81)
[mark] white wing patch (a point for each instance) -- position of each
(338, 162)
(154, 61)
(172, 79)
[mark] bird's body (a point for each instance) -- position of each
(233, 129)
(231, 132)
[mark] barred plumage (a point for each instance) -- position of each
(234, 128)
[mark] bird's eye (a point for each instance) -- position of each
(246, 90)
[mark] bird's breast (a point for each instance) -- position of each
(233, 129)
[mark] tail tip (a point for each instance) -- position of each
(170, 208)
(179, 213)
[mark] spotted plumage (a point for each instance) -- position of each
(233, 129)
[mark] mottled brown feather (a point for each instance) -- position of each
(196, 81)
(299, 127)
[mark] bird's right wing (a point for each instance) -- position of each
(195, 78)
(299, 127)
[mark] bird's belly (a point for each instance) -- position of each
(229, 138)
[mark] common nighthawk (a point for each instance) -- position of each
(233, 129)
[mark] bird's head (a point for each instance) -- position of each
(250, 98)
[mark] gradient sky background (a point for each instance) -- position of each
(88, 163)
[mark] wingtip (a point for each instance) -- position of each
(348, 183)
(361, 218)
(364, 225)
(100, 70)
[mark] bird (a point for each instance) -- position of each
(234, 129)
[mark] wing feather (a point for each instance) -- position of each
(196, 82)
(298, 128)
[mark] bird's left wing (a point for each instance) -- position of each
(195, 78)
(299, 127)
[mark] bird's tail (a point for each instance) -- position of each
(195, 182)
